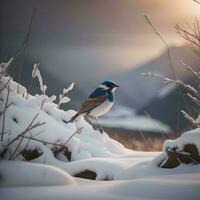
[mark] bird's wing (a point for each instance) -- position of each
(91, 103)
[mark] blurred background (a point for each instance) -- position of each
(94, 40)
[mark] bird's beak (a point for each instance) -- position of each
(117, 86)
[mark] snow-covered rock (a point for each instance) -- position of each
(185, 149)
(189, 137)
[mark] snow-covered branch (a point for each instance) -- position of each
(62, 97)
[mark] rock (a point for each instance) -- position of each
(174, 158)
(88, 174)
(31, 154)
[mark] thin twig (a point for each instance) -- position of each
(29, 127)
(196, 1)
(45, 142)
(165, 43)
(177, 123)
(25, 147)
(63, 146)
(10, 104)
(190, 119)
(4, 115)
(177, 82)
(5, 84)
(145, 140)
(168, 54)
(196, 74)
(23, 47)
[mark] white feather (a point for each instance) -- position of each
(101, 109)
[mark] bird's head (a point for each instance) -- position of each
(109, 85)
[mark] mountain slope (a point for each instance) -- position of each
(136, 90)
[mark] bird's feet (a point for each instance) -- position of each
(98, 129)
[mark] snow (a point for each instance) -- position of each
(141, 123)
(120, 111)
(137, 178)
(132, 175)
(126, 118)
(190, 137)
(17, 173)
(89, 143)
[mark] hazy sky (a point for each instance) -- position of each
(80, 38)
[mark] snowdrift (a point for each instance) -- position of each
(53, 135)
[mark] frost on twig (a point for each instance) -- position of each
(195, 73)
(43, 88)
(194, 99)
(190, 119)
(36, 73)
(62, 97)
(188, 87)
(4, 66)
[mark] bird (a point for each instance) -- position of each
(99, 102)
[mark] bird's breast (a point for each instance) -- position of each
(101, 109)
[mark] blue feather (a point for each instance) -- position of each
(97, 93)
(100, 92)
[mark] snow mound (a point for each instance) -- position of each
(189, 137)
(17, 173)
(52, 140)
(183, 150)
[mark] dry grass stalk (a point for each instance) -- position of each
(29, 127)
(191, 34)
(22, 49)
(165, 43)
(5, 85)
(196, 1)
(177, 82)
(76, 132)
(190, 69)
(4, 114)
(190, 119)
(145, 140)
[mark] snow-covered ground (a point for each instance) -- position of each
(136, 175)
(50, 175)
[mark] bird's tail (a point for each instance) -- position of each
(73, 118)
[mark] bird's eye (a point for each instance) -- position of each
(109, 85)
